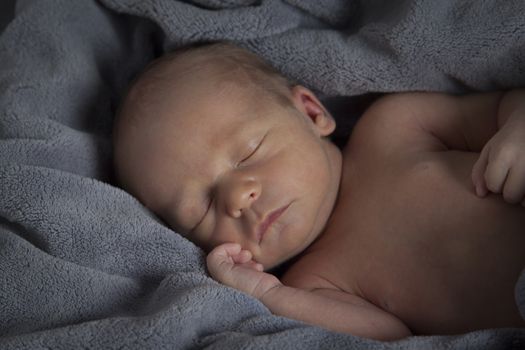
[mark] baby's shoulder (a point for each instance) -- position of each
(405, 109)
(392, 125)
(391, 111)
(403, 102)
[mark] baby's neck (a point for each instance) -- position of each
(279, 270)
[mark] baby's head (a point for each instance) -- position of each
(223, 149)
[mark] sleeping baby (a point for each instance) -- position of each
(415, 227)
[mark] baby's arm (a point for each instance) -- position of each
(501, 165)
(331, 309)
(490, 123)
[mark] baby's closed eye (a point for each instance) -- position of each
(252, 150)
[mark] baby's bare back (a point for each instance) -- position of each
(409, 234)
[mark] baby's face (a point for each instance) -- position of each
(231, 167)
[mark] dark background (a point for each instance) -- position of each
(7, 8)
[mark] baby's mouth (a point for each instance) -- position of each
(269, 220)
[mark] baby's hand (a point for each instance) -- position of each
(234, 267)
(501, 165)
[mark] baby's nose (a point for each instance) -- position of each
(240, 193)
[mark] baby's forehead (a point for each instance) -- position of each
(199, 121)
(192, 149)
(196, 73)
(216, 123)
(207, 103)
(191, 102)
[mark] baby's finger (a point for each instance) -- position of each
(253, 265)
(243, 256)
(222, 255)
(514, 188)
(478, 172)
(495, 175)
(227, 248)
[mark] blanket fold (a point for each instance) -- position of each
(83, 264)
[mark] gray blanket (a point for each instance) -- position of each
(83, 264)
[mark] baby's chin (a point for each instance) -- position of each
(274, 263)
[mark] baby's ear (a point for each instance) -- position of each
(307, 103)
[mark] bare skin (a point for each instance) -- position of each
(410, 247)
(409, 234)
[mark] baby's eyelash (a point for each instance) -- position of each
(254, 150)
